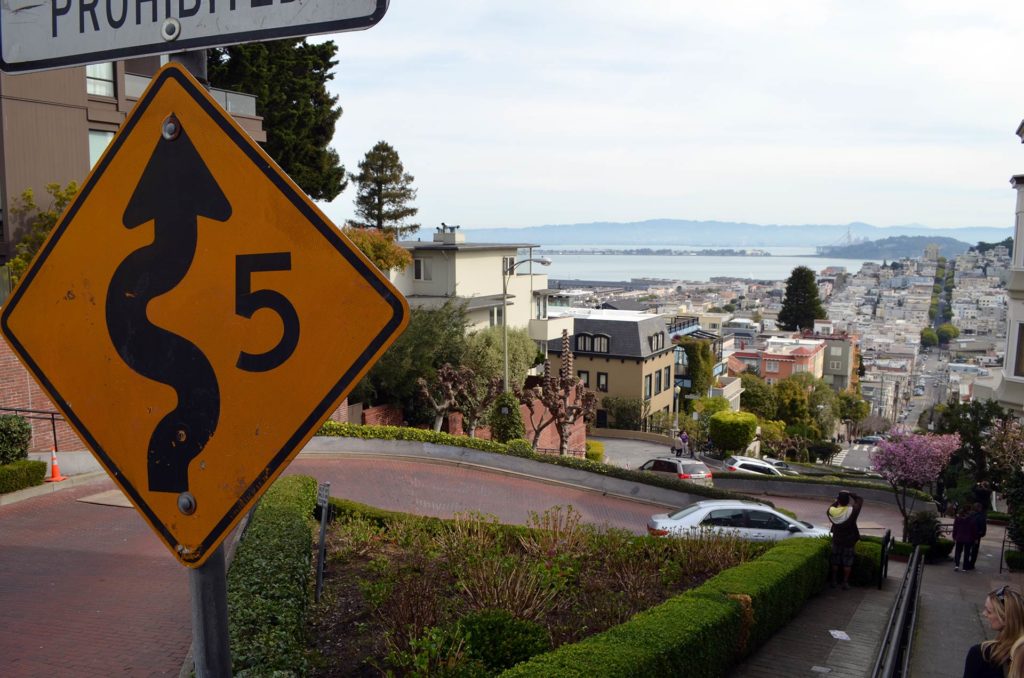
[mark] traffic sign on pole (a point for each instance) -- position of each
(37, 35)
(195, 317)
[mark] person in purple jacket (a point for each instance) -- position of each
(965, 532)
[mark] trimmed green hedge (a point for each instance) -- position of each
(15, 436)
(1014, 560)
(704, 631)
(826, 480)
(21, 474)
(867, 565)
(521, 448)
(268, 584)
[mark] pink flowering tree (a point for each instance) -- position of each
(911, 461)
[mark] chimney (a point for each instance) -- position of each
(448, 235)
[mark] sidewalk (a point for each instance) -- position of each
(949, 621)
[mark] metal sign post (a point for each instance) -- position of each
(323, 496)
(211, 649)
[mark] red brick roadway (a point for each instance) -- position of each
(88, 590)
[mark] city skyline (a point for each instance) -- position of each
(527, 114)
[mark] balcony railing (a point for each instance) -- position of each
(235, 103)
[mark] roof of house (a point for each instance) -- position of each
(627, 331)
(467, 246)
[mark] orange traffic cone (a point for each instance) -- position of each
(55, 476)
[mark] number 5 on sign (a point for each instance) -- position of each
(195, 317)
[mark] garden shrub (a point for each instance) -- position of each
(923, 528)
(595, 451)
(268, 583)
(732, 431)
(15, 435)
(507, 426)
(867, 566)
(21, 474)
(1014, 560)
(519, 447)
(500, 641)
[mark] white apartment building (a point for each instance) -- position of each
(491, 278)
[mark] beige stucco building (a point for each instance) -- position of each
(623, 354)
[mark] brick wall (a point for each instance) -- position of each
(383, 415)
(549, 436)
(19, 390)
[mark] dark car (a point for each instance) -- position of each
(869, 440)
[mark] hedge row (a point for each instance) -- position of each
(21, 474)
(521, 448)
(704, 631)
(268, 584)
(845, 481)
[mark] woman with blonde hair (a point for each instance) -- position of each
(1004, 656)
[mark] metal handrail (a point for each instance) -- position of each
(44, 415)
(883, 558)
(894, 655)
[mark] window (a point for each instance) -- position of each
(762, 520)
(99, 79)
(771, 366)
(98, 141)
(835, 350)
(834, 364)
(422, 269)
(668, 377)
(496, 316)
(508, 265)
(542, 307)
(600, 344)
(647, 387)
(584, 342)
(657, 341)
(1018, 363)
(657, 381)
(584, 376)
(602, 381)
(725, 518)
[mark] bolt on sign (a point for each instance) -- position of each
(36, 35)
(195, 317)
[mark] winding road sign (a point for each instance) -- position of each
(195, 317)
(36, 35)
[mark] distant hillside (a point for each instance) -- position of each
(897, 248)
(721, 234)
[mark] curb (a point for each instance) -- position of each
(49, 488)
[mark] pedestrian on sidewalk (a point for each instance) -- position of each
(845, 535)
(965, 531)
(981, 528)
(1004, 656)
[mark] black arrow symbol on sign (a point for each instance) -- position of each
(175, 189)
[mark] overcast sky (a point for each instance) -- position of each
(523, 113)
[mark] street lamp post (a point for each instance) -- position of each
(506, 275)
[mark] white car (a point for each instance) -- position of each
(751, 465)
(743, 519)
(783, 467)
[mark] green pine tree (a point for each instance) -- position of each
(801, 305)
(385, 196)
(289, 79)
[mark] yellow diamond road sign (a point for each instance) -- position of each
(195, 317)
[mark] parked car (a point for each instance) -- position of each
(690, 470)
(784, 467)
(869, 440)
(751, 465)
(743, 519)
